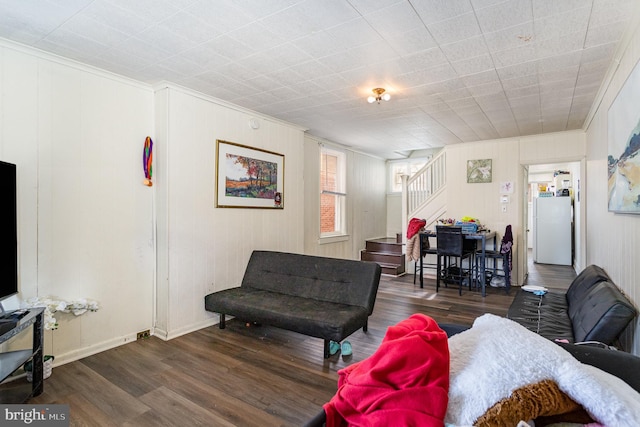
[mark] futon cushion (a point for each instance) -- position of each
(311, 317)
(319, 279)
(587, 278)
(601, 315)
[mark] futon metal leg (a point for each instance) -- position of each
(222, 324)
(326, 349)
(366, 326)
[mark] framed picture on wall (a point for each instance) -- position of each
(479, 171)
(248, 177)
(623, 161)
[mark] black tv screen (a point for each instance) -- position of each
(8, 231)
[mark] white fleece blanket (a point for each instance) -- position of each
(497, 356)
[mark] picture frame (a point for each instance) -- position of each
(478, 171)
(248, 177)
(623, 145)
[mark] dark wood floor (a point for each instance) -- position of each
(248, 376)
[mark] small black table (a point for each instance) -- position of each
(480, 236)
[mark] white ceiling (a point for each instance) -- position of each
(457, 70)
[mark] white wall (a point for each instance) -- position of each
(85, 219)
(612, 239)
(201, 248)
(366, 202)
(482, 200)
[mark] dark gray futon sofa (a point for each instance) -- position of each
(592, 309)
(327, 298)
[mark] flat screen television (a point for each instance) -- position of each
(8, 232)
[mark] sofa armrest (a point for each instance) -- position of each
(618, 363)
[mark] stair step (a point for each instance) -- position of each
(385, 258)
(384, 244)
(393, 270)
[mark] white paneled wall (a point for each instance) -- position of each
(202, 248)
(85, 219)
(482, 200)
(612, 239)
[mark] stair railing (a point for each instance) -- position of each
(423, 185)
(426, 182)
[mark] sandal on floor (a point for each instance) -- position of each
(346, 348)
(333, 347)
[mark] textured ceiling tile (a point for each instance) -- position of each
(68, 39)
(603, 52)
(544, 8)
(455, 29)
(165, 40)
(258, 36)
(568, 60)
(486, 89)
(354, 33)
(431, 11)
(606, 12)
(412, 41)
(522, 91)
(603, 35)
(473, 65)
(230, 48)
(116, 17)
(152, 10)
(561, 79)
(95, 30)
(260, 9)
(465, 49)
(386, 20)
(519, 70)
(516, 36)
(563, 24)
(516, 56)
(503, 15)
(521, 82)
(484, 77)
(559, 46)
(204, 56)
(455, 95)
(314, 62)
(292, 23)
(369, 6)
(425, 59)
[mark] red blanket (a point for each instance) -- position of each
(405, 382)
(415, 224)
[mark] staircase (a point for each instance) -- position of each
(423, 194)
(387, 252)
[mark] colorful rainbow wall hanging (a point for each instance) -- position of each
(147, 161)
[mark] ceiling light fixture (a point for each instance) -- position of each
(380, 95)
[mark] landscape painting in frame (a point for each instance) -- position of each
(623, 161)
(248, 177)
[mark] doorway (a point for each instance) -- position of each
(546, 180)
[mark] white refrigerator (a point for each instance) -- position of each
(552, 230)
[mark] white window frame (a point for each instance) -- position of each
(408, 166)
(340, 230)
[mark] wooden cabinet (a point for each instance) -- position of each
(10, 361)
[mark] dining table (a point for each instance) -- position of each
(481, 237)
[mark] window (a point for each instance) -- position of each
(332, 193)
(406, 167)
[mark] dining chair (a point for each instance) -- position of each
(452, 250)
(425, 250)
(500, 259)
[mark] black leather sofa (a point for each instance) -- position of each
(592, 309)
(328, 298)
